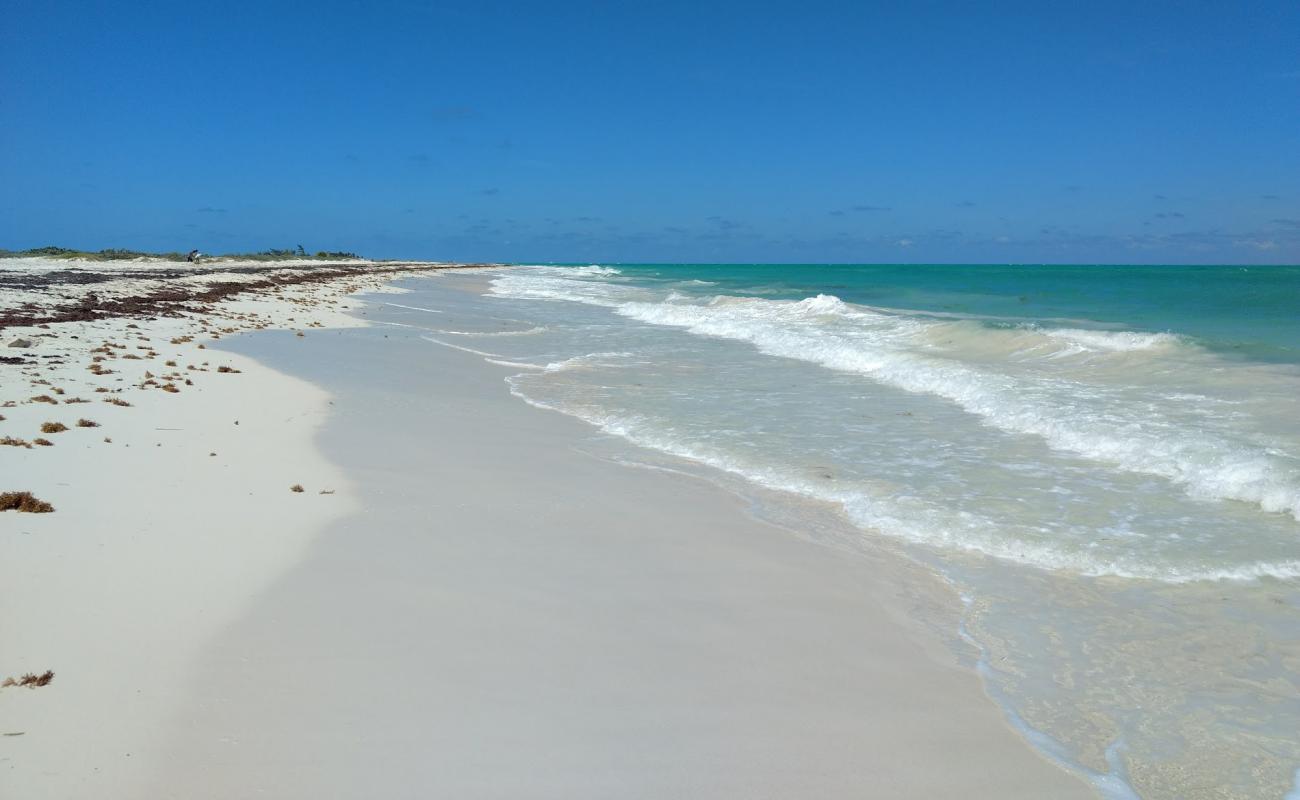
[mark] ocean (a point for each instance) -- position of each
(1103, 461)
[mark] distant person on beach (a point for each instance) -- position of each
(193, 257)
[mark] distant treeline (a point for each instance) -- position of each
(114, 254)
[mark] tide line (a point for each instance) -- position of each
(413, 308)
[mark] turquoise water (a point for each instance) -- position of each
(1251, 311)
(1103, 461)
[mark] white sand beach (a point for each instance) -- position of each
(460, 603)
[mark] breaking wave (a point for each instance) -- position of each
(972, 366)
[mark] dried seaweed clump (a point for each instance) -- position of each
(14, 442)
(45, 398)
(23, 501)
(30, 681)
(53, 427)
(297, 487)
(224, 368)
(87, 423)
(43, 442)
(117, 401)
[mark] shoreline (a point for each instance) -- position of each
(171, 505)
(890, 705)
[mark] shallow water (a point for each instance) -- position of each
(1105, 462)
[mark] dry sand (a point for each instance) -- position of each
(480, 610)
(171, 513)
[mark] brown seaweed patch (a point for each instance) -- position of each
(29, 680)
(23, 501)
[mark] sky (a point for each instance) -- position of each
(657, 131)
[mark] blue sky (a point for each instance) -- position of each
(900, 132)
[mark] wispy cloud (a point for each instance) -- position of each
(210, 210)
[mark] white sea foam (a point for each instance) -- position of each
(561, 283)
(576, 362)
(1113, 341)
(530, 332)
(588, 360)
(500, 362)
(909, 518)
(1103, 423)
(414, 308)
(1090, 421)
(592, 270)
(463, 349)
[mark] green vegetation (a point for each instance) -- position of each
(283, 255)
(114, 254)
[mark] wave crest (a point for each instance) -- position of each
(1107, 423)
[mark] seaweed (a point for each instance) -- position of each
(23, 501)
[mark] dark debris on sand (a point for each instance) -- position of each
(29, 680)
(175, 300)
(23, 501)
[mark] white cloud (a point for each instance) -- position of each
(1258, 244)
